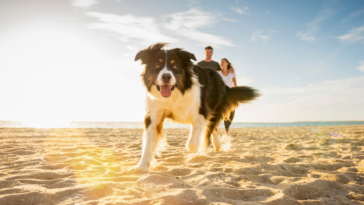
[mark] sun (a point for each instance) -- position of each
(49, 70)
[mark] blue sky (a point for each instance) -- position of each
(73, 60)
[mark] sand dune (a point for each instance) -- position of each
(306, 165)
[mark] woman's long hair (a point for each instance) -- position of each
(228, 62)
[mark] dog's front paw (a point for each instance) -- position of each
(192, 147)
(141, 167)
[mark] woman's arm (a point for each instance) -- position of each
(232, 69)
(234, 81)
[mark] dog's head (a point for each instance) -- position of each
(166, 70)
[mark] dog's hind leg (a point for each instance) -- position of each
(152, 133)
(198, 129)
(216, 140)
(214, 122)
(205, 143)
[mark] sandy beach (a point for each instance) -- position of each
(300, 165)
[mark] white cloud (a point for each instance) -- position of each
(354, 15)
(323, 87)
(316, 23)
(129, 26)
(190, 19)
(244, 81)
(314, 26)
(241, 11)
(323, 101)
(355, 35)
(262, 36)
(191, 2)
(149, 31)
(83, 3)
(361, 67)
(230, 20)
(187, 24)
(306, 36)
(337, 91)
(132, 48)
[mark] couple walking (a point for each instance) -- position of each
(227, 73)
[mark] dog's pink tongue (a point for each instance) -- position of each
(166, 90)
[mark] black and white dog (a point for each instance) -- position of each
(184, 93)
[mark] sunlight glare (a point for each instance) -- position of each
(44, 123)
(48, 73)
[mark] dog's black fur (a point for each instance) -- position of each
(217, 98)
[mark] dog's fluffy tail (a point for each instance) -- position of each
(234, 96)
(240, 94)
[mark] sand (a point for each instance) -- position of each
(302, 165)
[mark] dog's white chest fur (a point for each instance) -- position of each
(183, 108)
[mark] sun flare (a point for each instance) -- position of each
(52, 71)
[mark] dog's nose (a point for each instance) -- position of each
(166, 77)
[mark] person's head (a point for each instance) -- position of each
(208, 52)
(225, 62)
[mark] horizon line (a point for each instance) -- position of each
(18, 121)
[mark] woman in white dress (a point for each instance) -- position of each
(228, 76)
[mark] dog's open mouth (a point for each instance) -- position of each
(165, 90)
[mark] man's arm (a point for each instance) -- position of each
(218, 67)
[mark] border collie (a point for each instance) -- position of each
(184, 93)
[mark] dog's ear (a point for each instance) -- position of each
(144, 55)
(184, 55)
(189, 55)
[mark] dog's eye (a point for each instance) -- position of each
(174, 66)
